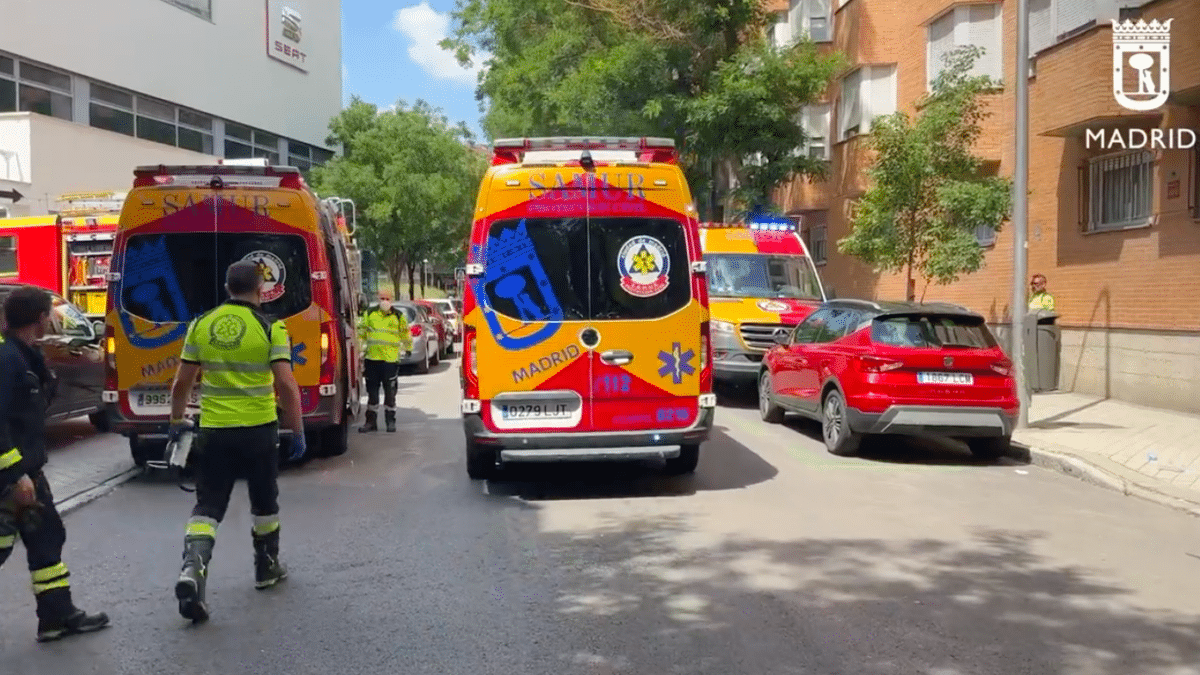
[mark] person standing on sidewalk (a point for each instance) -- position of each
(245, 359)
(1040, 298)
(26, 504)
(383, 330)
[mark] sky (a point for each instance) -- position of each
(390, 52)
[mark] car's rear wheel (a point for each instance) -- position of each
(335, 440)
(990, 448)
(767, 408)
(839, 438)
(143, 451)
(425, 359)
(481, 461)
(686, 462)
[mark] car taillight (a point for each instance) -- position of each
(706, 371)
(876, 364)
(470, 367)
(110, 359)
(1004, 367)
(327, 375)
(415, 330)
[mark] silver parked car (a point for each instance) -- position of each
(425, 347)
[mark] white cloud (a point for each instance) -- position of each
(425, 28)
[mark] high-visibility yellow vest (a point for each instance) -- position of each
(1041, 300)
(383, 334)
(235, 346)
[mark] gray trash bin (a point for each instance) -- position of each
(1043, 345)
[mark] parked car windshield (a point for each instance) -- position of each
(760, 275)
(932, 332)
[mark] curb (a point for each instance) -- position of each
(79, 499)
(1076, 467)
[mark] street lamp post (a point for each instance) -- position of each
(1020, 219)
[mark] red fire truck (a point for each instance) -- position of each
(67, 252)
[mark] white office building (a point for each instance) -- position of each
(89, 90)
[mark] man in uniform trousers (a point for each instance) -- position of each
(26, 503)
(245, 360)
(384, 331)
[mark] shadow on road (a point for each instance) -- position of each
(725, 464)
(987, 603)
(62, 435)
(892, 449)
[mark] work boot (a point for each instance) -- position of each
(389, 417)
(268, 571)
(75, 623)
(369, 424)
(189, 590)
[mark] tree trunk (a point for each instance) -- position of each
(423, 276)
(911, 283)
(412, 267)
(395, 267)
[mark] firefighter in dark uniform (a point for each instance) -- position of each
(245, 360)
(26, 504)
(384, 331)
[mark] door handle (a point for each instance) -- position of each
(616, 357)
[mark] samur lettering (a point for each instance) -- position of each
(546, 363)
(565, 186)
(259, 204)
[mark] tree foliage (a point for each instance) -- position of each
(695, 72)
(413, 178)
(929, 193)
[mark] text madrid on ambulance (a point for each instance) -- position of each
(1144, 48)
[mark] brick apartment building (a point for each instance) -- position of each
(1116, 233)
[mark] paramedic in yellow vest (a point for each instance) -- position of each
(1040, 298)
(384, 331)
(244, 359)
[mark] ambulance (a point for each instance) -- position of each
(761, 284)
(67, 252)
(585, 308)
(180, 229)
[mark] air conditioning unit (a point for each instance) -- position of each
(3, 211)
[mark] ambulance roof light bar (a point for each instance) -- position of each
(774, 227)
(649, 149)
(198, 175)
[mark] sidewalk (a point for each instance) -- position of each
(83, 464)
(1145, 452)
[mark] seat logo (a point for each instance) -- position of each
(948, 361)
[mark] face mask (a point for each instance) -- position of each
(385, 305)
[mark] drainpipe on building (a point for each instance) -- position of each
(1021, 212)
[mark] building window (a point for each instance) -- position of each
(246, 143)
(8, 85)
(320, 156)
(201, 8)
(985, 235)
(816, 243)
(1120, 191)
(8, 256)
(813, 18)
(814, 120)
(966, 26)
(867, 93)
(1052, 21)
(299, 155)
(779, 31)
(43, 91)
(146, 118)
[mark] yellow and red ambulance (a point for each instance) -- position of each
(585, 308)
(761, 284)
(180, 229)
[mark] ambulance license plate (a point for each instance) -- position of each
(156, 401)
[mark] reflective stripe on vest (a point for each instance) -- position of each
(383, 336)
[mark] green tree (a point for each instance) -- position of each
(929, 192)
(696, 72)
(413, 177)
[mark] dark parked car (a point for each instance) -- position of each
(74, 353)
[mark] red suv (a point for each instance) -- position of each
(861, 367)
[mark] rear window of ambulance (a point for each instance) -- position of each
(581, 269)
(175, 277)
(932, 332)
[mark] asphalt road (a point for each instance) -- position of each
(775, 558)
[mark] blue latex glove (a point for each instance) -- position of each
(299, 447)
